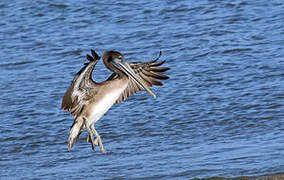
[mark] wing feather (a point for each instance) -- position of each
(82, 87)
(149, 73)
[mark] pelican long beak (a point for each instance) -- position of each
(124, 67)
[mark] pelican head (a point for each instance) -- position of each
(115, 62)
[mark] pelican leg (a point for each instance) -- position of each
(90, 134)
(98, 140)
(89, 138)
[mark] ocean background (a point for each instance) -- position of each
(221, 113)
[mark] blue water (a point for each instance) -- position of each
(221, 113)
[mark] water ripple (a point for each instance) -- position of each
(220, 114)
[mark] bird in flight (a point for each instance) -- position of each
(88, 100)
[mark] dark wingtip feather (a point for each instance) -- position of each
(155, 75)
(159, 69)
(158, 63)
(90, 58)
(163, 77)
(160, 54)
(155, 81)
(95, 55)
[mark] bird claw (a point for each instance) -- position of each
(98, 142)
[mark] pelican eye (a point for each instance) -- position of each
(109, 59)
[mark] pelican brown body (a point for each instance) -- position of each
(88, 100)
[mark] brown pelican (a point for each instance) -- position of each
(88, 100)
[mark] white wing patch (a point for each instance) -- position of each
(77, 92)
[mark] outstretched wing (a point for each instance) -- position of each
(82, 87)
(150, 73)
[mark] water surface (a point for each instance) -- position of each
(221, 113)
